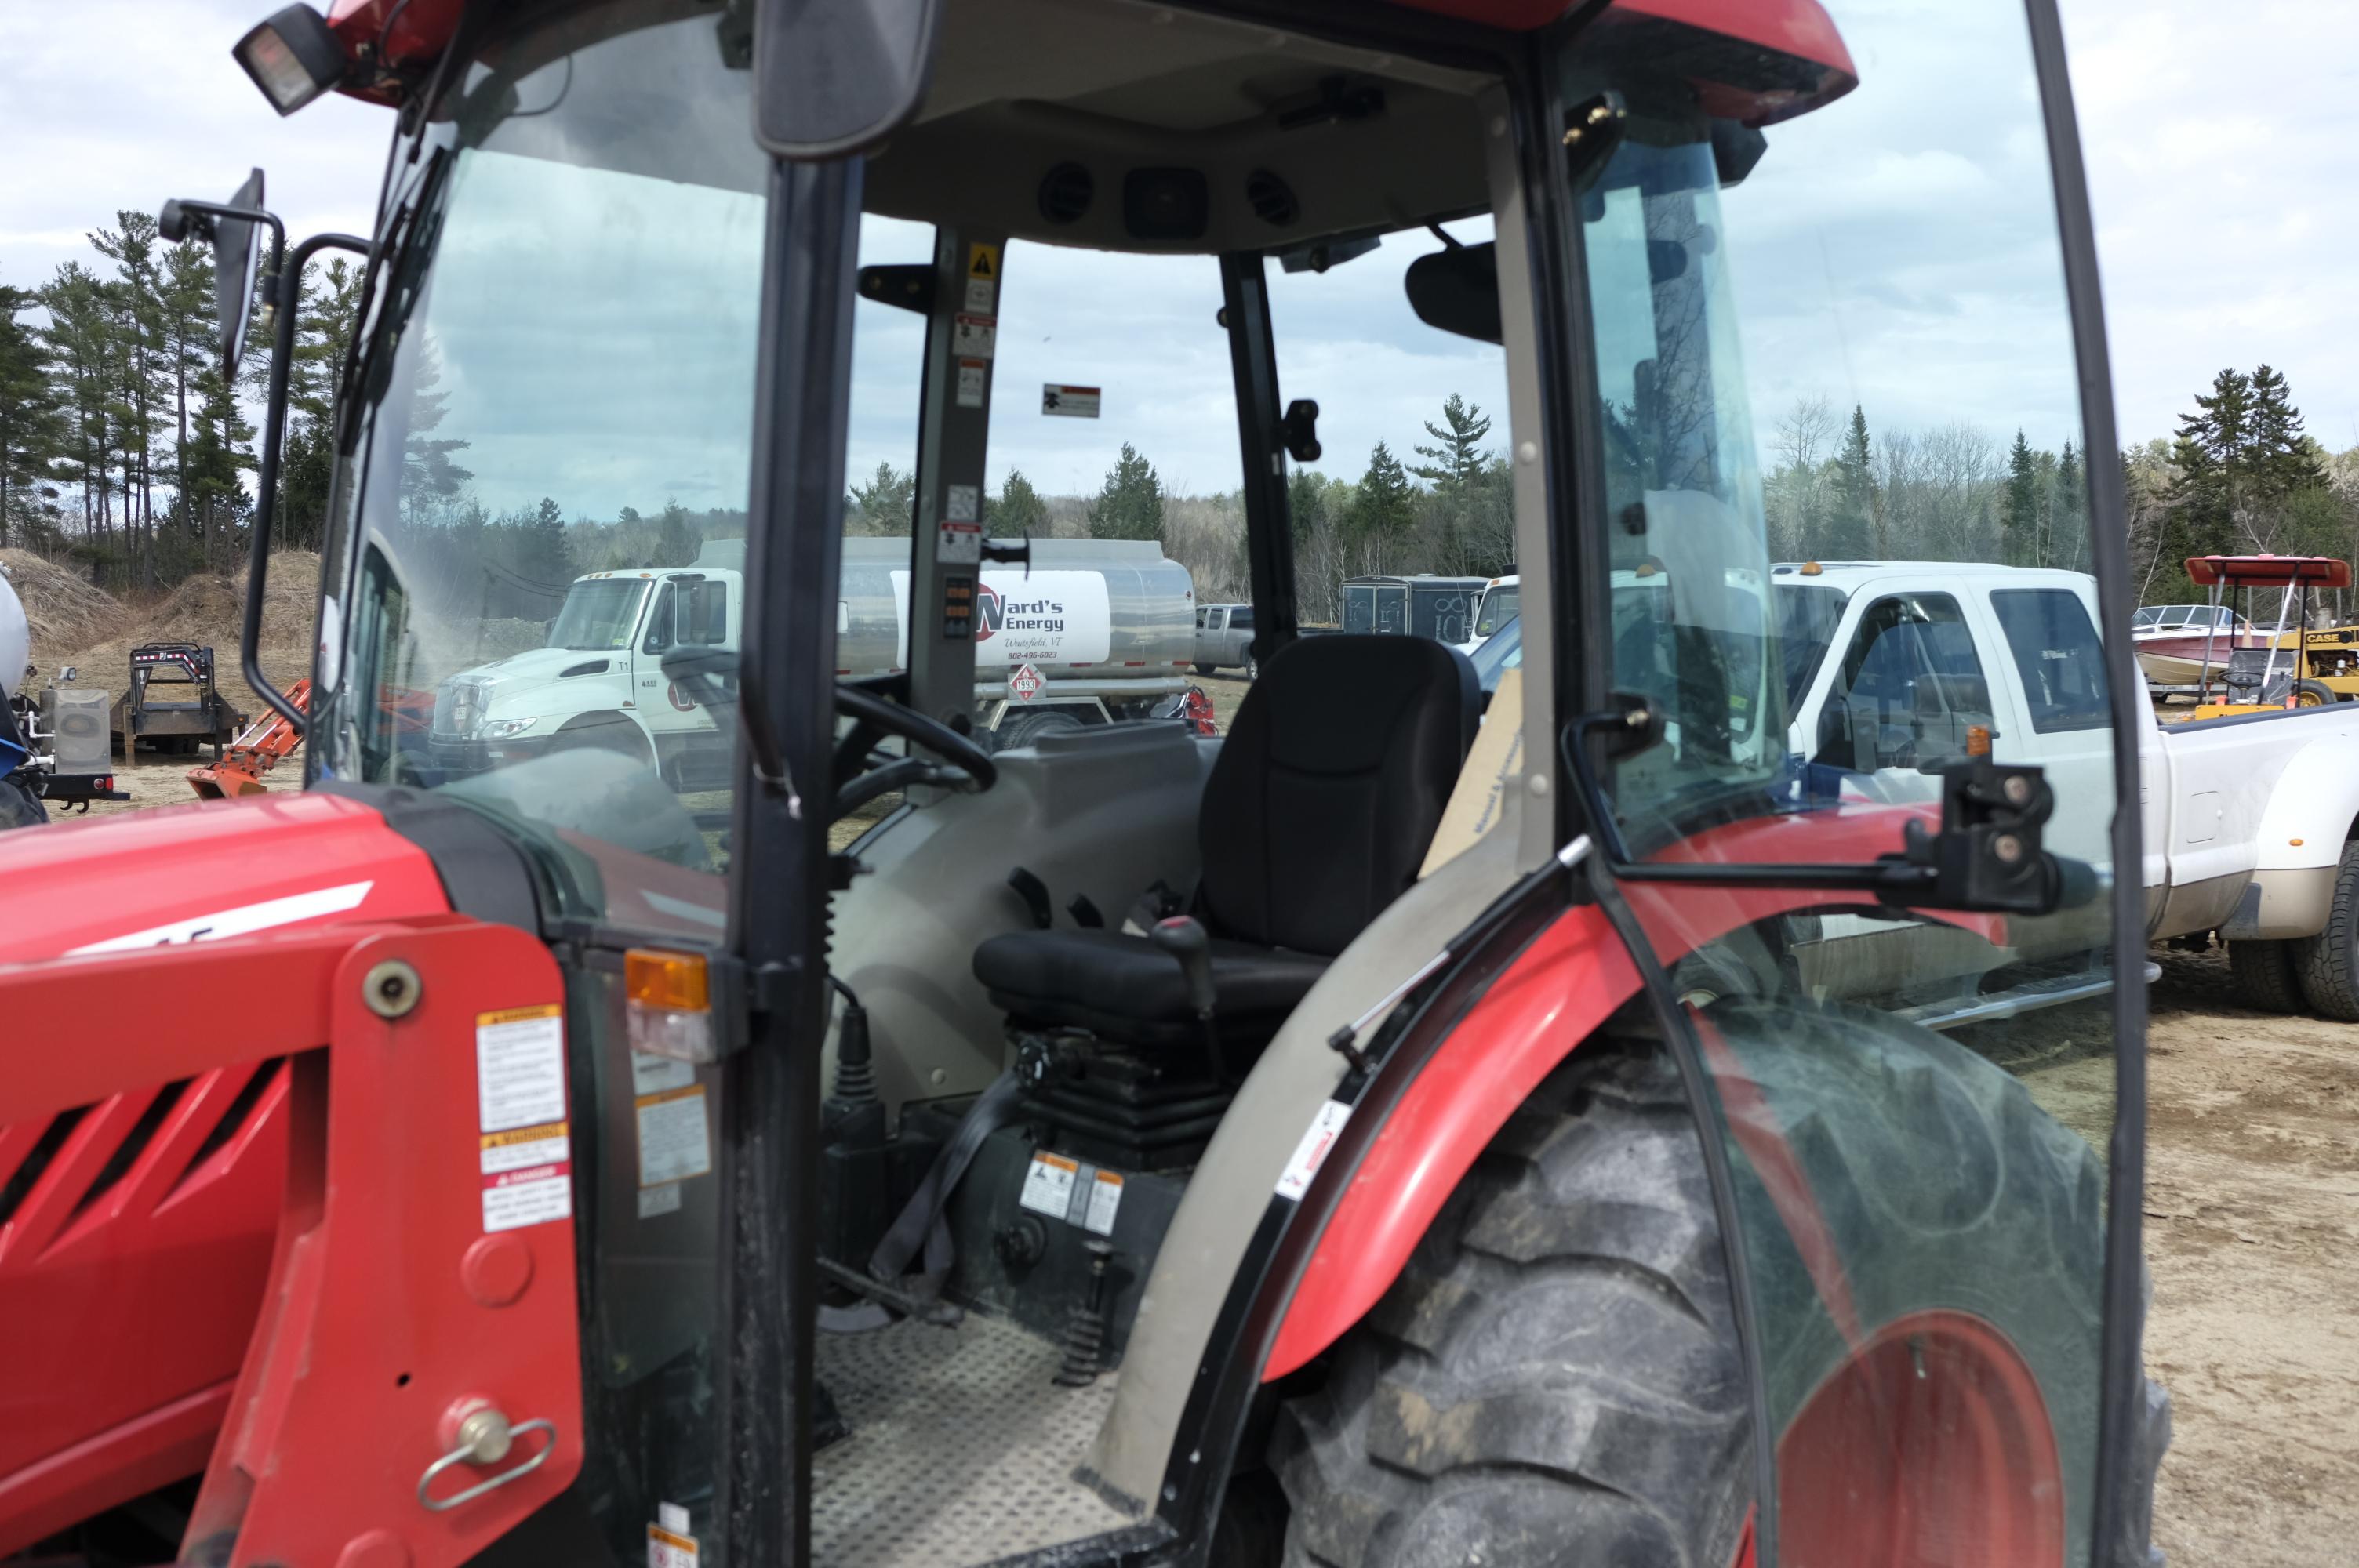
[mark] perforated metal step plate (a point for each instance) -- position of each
(962, 1449)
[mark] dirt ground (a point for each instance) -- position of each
(2251, 1233)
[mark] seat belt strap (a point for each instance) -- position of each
(920, 1223)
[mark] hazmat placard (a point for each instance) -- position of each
(1025, 683)
(1070, 402)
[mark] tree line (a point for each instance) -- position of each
(121, 444)
(1458, 521)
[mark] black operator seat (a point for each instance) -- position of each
(1318, 814)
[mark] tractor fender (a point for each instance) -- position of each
(1403, 1155)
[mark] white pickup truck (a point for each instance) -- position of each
(1894, 666)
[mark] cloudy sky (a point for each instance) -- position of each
(1894, 252)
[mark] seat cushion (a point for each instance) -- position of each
(1329, 786)
(1127, 988)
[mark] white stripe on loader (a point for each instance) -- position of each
(236, 921)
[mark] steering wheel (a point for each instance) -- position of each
(874, 714)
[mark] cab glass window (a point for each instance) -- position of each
(1910, 692)
(2058, 656)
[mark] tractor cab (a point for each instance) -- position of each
(1381, 1112)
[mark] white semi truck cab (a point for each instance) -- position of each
(1087, 632)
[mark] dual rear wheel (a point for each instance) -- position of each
(2314, 974)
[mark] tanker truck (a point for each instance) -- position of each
(1087, 632)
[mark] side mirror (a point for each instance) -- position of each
(231, 226)
(834, 78)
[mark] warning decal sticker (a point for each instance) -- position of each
(1071, 1190)
(1105, 1197)
(674, 1139)
(520, 1066)
(1318, 1139)
(527, 1176)
(970, 383)
(1048, 1184)
(974, 336)
(1070, 402)
(669, 1543)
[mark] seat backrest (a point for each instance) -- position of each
(1329, 785)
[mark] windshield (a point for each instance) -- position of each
(598, 614)
(1498, 609)
(559, 384)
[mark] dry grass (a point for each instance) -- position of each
(67, 613)
(75, 623)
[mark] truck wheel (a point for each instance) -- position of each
(1253, 666)
(2328, 964)
(2263, 972)
(605, 733)
(1026, 727)
(2313, 694)
(1203, 669)
(19, 806)
(1554, 1377)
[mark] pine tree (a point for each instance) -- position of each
(884, 505)
(676, 542)
(1019, 511)
(429, 478)
(137, 298)
(2070, 529)
(2242, 460)
(326, 304)
(546, 560)
(1457, 454)
(2018, 521)
(1853, 530)
(1383, 506)
(32, 427)
(1129, 505)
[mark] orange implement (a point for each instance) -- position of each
(260, 747)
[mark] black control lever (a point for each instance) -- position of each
(1184, 937)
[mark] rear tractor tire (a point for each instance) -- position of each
(1554, 1381)
(2313, 694)
(2265, 977)
(2327, 965)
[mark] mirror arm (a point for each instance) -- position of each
(287, 288)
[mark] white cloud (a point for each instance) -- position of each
(1905, 262)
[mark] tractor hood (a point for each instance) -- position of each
(206, 872)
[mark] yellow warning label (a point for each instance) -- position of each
(518, 1015)
(983, 260)
(662, 1095)
(524, 1135)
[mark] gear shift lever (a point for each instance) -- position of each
(1183, 937)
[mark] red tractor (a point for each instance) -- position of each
(1429, 1121)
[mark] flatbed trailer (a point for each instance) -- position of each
(151, 710)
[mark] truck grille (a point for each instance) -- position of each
(458, 708)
